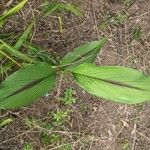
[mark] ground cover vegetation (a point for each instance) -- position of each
(29, 72)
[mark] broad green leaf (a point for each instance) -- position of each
(14, 52)
(24, 36)
(49, 8)
(26, 85)
(84, 53)
(115, 83)
(11, 11)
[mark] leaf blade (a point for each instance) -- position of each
(85, 53)
(26, 85)
(12, 11)
(49, 8)
(24, 36)
(72, 8)
(14, 52)
(119, 84)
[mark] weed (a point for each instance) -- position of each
(36, 123)
(11, 11)
(54, 138)
(125, 144)
(68, 98)
(120, 18)
(137, 33)
(60, 116)
(128, 2)
(104, 25)
(31, 122)
(49, 8)
(48, 139)
(66, 147)
(5, 122)
(45, 138)
(27, 146)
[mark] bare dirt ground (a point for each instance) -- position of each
(94, 124)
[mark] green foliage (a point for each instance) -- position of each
(6, 67)
(48, 139)
(7, 36)
(5, 122)
(45, 138)
(126, 144)
(14, 52)
(37, 69)
(128, 2)
(116, 83)
(68, 98)
(60, 116)
(137, 33)
(21, 88)
(27, 146)
(120, 18)
(10, 51)
(11, 11)
(24, 36)
(54, 138)
(49, 8)
(85, 53)
(33, 122)
(38, 54)
(66, 147)
(103, 25)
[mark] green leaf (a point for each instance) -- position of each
(26, 85)
(35, 51)
(12, 11)
(5, 68)
(14, 52)
(24, 36)
(84, 53)
(5, 122)
(49, 8)
(71, 8)
(115, 83)
(7, 36)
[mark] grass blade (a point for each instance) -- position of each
(24, 36)
(49, 8)
(12, 11)
(11, 50)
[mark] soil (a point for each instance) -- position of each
(94, 123)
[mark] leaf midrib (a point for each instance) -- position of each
(25, 87)
(84, 56)
(112, 82)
